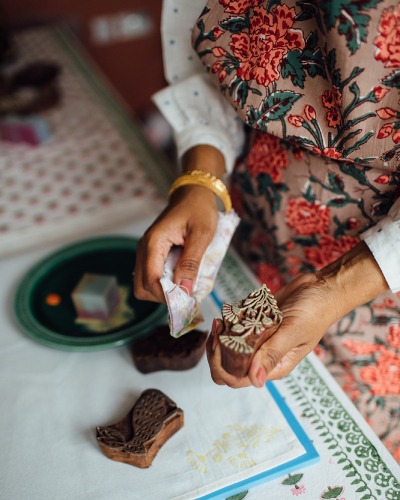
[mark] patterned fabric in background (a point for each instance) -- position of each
(324, 79)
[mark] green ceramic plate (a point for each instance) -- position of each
(58, 273)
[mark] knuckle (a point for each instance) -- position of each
(147, 285)
(271, 358)
(189, 265)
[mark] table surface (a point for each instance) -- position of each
(52, 401)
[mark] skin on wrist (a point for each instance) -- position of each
(353, 279)
(205, 158)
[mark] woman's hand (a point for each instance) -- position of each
(310, 304)
(190, 220)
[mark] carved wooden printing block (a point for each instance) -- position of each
(247, 325)
(137, 438)
(160, 351)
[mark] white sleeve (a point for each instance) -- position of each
(196, 110)
(384, 242)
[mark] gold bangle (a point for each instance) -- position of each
(199, 178)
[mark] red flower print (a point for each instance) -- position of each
(330, 153)
(309, 112)
(216, 66)
(295, 120)
(396, 454)
(222, 75)
(319, 351)
(396, 137)
(239, 6)
(219, 51)
(389, 303)
(270, 275)
(267, 156)
(217, 32)
(380, 93)
(289, 245)
(337, 96)
(361, 348)
(298, 154)
(388, 42)
(307, 218)
(329, 250)
(383, 179)
(294, 265)
(332, 118)
(327, 100)
(394, 336)
(270, 38)
(386, 113)
(384, 378)
(352, 223)
(385, 131)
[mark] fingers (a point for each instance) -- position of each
(197, 240)
(150, 258)
(276, 357)
(218, 374)
(289, 362)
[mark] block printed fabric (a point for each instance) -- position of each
(319, 84)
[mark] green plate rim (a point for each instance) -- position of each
(35, 330)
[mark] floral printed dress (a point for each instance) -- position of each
(318, 83)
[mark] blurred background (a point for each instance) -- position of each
(123, 39)
(82, 146)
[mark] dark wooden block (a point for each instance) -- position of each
(137, 438)
(160, 351)
(247, 324)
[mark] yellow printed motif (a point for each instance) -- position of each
(241, 439)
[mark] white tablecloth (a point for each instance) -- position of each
(51, 402)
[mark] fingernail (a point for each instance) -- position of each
(261, 376)
(214, 327)
(187, 286)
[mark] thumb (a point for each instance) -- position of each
(273, 359)
(188, 265)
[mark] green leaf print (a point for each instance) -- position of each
(272, 3)
(332, 492)
(235, 24)
(289, 481)
(292, 68)
(352, 19)
(275, 106)
(338, 202)
(310, 9)
(392, 80)
(238, 496)
(335, 181)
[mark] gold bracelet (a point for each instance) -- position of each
(199, 178)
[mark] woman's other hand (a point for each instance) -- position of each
(190, 220)
(310, 304)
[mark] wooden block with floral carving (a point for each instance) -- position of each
(247, 324)
(138, 437)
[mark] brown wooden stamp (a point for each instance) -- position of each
(247, 324)
(137, 438)
(161, 351)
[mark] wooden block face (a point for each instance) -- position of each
(137, 438)
(248, 324)
(160, 351)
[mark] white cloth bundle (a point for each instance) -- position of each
(184, 310)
